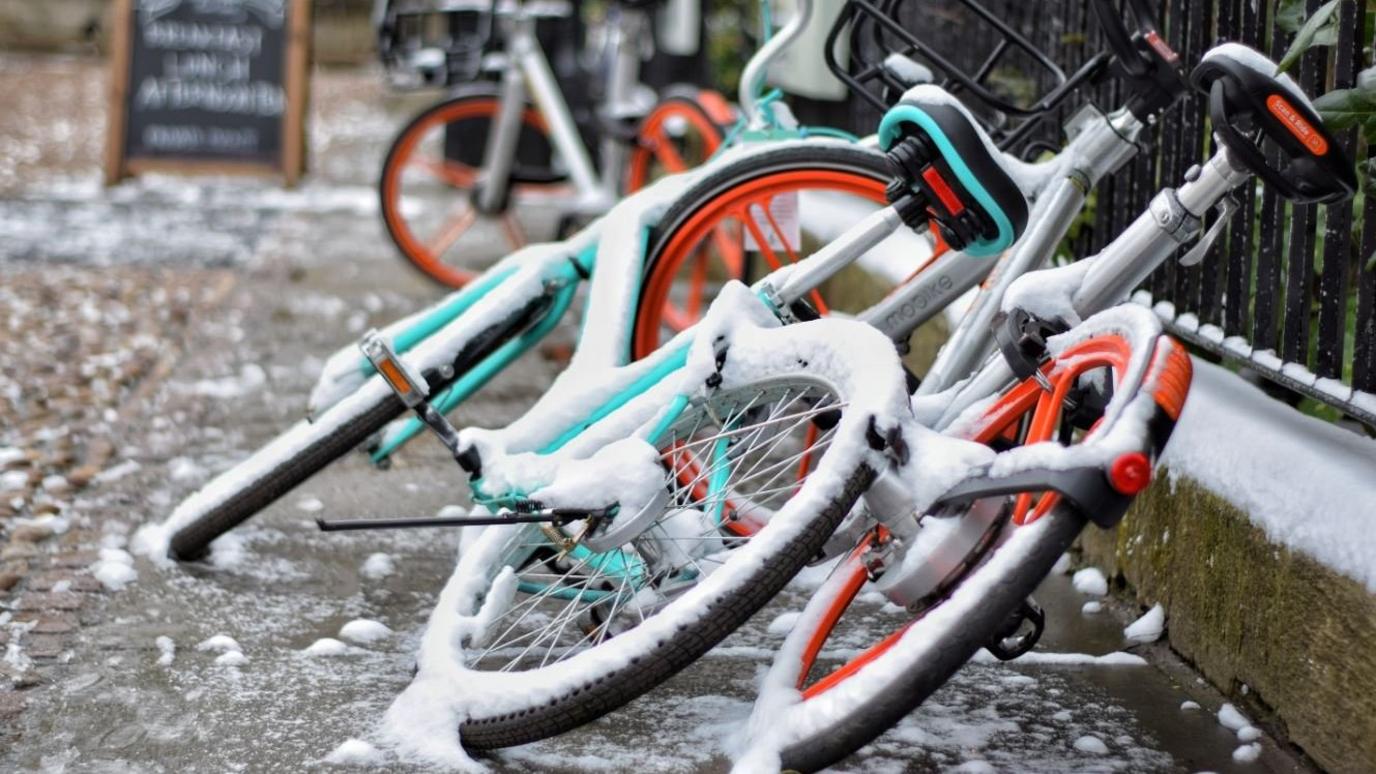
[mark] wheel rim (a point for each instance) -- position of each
(663, 147)
(1023, 415)
(713, 241)
(728, 461)
(425, 194)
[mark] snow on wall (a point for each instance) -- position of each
(1308, 484)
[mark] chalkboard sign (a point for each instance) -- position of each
(208, 86)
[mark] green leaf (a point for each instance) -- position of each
(1321, 29)
(1344, 108)
(1290, 15)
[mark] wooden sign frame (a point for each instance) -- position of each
(296, 91)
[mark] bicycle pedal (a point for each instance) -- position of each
(406, 385)
(1016, 638)
(412, 391)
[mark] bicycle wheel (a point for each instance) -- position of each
(428, 178)
(755, 215)
(596, 627)
(982, 563)
(235, 495)
(678, 134)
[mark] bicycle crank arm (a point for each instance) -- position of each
(557, 516)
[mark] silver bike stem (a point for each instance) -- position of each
(1174, 217)
(755, 70)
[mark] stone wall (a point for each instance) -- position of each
(1286, 638)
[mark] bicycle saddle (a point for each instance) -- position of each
(938, 149)
(1256, 112)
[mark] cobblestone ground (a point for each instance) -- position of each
(155, 333)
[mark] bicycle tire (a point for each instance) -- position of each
(948, 652)
(480, 101)
(692, 629)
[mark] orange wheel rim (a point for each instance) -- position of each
(1108, 351)
(427, 253)
(724, 218)
(654, 144)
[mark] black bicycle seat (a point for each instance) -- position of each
(937, 147)
(1255, 110)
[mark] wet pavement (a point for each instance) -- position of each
(141, 679)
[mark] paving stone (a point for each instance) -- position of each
(30, 533)
(11, 704)
(44, 646)
(45, 581)
(51, 600)
(49, 622)
(19, 551)
(83, 558)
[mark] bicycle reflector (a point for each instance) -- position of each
(1130, 473)
(410, 389)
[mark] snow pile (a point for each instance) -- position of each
(232, 658)
(327, 647)
(1305, 482)
(1230, 718)
(220, 643)
(1091, 607)
(1090, 581)
(354, 752)
(1148, 628)
(167, 650)
(1091, 744)
(1247, 753)
(377, 566)
(364, 631)
(115, 570)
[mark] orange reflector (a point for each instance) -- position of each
(1130, 473)
(392, 374)
(1295, 122)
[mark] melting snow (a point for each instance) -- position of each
(231, 659)
(1230, 718)
(354, 752)
(377, 566)
(167, 650)
(783, 622)
(1247, 753)
(362, 630)
(1091, 607)
(1148, 628)
(1090, 581)
(220, 643)
(310, 504)
(1092, 745)
(115, 570)
(327, 646)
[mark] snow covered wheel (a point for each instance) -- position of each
(970, 585)
(554, 633)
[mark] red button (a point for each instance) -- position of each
(1130, 473)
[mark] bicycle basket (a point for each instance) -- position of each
(880, 48)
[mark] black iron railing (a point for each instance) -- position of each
(1288, 290)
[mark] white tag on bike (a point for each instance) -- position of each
(780, 225)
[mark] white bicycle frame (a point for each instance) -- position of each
(526, 74)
